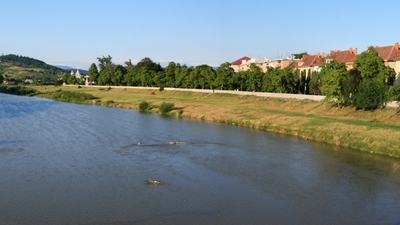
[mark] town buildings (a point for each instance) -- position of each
(310, 63)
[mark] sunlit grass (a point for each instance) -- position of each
(377, 131)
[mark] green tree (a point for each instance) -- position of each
(144, 77)
(371, 66)
(207, 77)
(315, 83)
(119, 75)
(93, 72)
(333, 75)
(107, 69)
(132, 75)
(290, 80)
(271, 80)
(184, 78)
(254, 78)
(239, 80)
(72, 80)
(149, 65)
(371, 94)
(299, 55)
(224, 76)
(170, 74)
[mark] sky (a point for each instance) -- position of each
(193, 32)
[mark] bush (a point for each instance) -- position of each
(144, 106)
(165, 108)
(17, 90)
(71, 96)
(394, 93)
(370, 95)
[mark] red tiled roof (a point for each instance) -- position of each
(389, 53)
(347, 56)
(311, 60)
(239, 61)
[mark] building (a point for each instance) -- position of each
(391, 56)
(243, 64)
(259, 62)
(347, 57)
(236, 64)
(311, 63)
(77, 74)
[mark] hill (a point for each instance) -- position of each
(69, 69)
(22, 67)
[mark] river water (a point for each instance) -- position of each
(64, 163)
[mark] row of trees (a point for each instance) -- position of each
(151, 74)
(367, 86)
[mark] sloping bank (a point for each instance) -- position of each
(311, 119)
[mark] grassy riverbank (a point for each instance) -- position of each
(375, 132)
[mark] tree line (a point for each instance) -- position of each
(368, 85)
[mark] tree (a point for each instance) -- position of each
(289, 80)
(224, 76)
(107, 69)
(239, 80)
(119, 75)
(170, 74)
(333, 75)
(315, 83)
(149, 65)
(93, 72)
(72, 80)
(299, 55)
(371, 66)
(184, 78)
(271, 80)
(370, 90)
(254, 78)
(371, 94)
(208, 77)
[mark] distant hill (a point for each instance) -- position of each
(22, 68)
(68, 69)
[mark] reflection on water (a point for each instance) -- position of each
(78, 164)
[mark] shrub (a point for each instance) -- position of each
(109, 102)
(370, 95)
(394, 93)
(71, 96)
(165, 108)
(144, 106)
(17, 90)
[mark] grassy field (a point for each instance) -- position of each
(374, 132)
(20, 72)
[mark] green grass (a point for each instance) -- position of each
(310, 120)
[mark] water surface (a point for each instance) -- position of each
(64, 163)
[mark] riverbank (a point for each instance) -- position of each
(374, 132)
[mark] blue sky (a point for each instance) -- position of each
(75, 32)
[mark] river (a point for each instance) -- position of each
(63, 163)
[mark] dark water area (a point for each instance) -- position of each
(64, 163)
